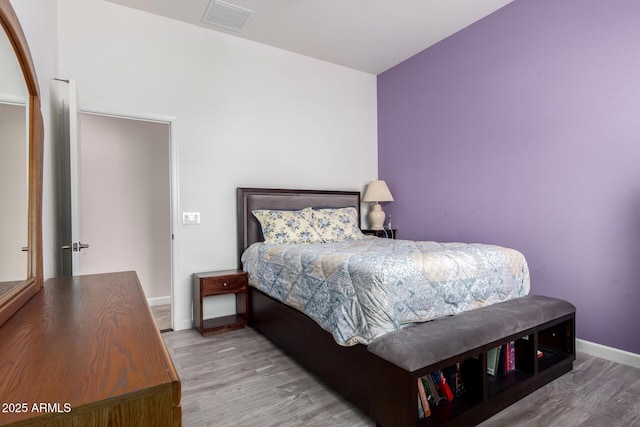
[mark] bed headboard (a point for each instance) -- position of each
(250, 199)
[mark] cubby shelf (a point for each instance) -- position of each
(486, 394)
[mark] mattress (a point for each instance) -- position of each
(359, 290)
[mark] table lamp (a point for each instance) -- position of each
(377, 191)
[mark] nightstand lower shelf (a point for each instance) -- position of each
(222, 324)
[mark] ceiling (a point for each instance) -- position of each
(367, 35)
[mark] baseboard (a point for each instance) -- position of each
(185, 324)
(159, 301)
(609, 353)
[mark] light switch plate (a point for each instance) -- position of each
(190, 218)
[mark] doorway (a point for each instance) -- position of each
(124, 203)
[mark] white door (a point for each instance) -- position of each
(72, 244)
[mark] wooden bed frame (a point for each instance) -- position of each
(346, 369)
(380, 386)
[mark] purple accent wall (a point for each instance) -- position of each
(523, 130)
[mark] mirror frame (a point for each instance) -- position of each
(16, 298)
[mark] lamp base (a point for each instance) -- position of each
(376, 217)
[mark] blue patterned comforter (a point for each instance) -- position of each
(361, 289)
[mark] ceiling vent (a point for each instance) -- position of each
(226, 15)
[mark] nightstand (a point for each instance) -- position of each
(220, 283)
(386, 233)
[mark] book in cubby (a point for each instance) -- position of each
(502, 359)
(509, 364)
(443, 391)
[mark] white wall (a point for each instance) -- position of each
(12, 85)
(246, 114)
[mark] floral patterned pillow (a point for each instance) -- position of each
(284, 227)
(335, 225)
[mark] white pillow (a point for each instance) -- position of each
(284, 227)
(337, 224)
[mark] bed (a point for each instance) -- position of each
(360, 288)
(345, 363)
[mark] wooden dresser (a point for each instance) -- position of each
(86, 351)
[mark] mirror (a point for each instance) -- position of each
(14, 178)
(21, 139)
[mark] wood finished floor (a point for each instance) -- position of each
(162, 315)
(239, 378)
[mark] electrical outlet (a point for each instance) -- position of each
(191, 218)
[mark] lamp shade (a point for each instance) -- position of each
(377, 191)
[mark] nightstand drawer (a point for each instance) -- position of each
(224, 284)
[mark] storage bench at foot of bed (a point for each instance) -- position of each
(539, 330)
